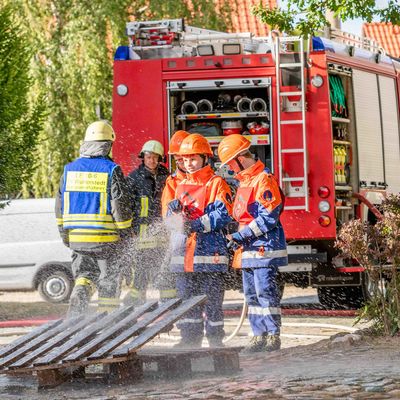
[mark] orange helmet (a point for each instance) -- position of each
(231, 146)
(195, 144)
(176, 140)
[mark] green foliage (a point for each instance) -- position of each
(20, 120)
(74, 44)
(377, 248)
(200, 13)
(307, 17)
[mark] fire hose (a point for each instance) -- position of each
(240, 323)
(291, 324)
(370, 206)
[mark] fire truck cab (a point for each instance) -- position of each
(322, 114)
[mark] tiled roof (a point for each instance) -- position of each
(244, 21)
(386, 34)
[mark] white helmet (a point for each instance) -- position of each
(152, 146)
(99, 131)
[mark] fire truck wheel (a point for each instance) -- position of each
(341, 298)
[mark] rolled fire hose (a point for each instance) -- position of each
(189, 107)
(258, 105)
(204, 106)
(243, 105)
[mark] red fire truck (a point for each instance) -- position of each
(323, 115)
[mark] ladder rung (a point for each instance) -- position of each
(292, 150)
(292, 122)
(290, 65)
(296, 207)
(284, 39)
(296, 179)
(291, 93)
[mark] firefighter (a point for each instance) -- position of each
(257, 207)
(180, 173)
(166, 281)
(203, 200)
(93, 212)
(146, 184)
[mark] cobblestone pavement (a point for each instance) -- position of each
(343, 367)
(314, 363)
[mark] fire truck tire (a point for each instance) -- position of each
(341, 297)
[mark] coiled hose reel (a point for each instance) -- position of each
(189, 107)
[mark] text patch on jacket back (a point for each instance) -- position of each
(86, 181)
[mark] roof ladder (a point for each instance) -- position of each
(285, 179)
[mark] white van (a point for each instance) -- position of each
(32, 254)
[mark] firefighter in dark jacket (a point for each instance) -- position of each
(146, 184)
(93, 212)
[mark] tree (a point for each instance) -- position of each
(21, 118)
(307, 17)
(74, 44)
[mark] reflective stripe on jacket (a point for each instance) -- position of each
(204, 250)
(257, 208)
(145, 190)
(88, 205)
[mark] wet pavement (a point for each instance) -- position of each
(320, 359)
(337, 368)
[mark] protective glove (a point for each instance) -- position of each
(236, 241)
(65, 238)
(232, 245)
(175, 206)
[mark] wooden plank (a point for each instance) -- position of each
(153, 331)
(175, 366)
(37, 342)
(85, 336)
(129, 371)
(21, 341)
(226, 362)
(135, 329)
(110, 333)
(52, 377)
(153, 353)
(55, 341)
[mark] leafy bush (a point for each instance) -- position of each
(377, 249)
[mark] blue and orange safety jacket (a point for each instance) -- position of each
(257, 208)
(207, 201)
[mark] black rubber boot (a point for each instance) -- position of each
(79, 301)
(257, 344)
(215, 341)
(273, 343)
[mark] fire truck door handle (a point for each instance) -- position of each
(219, 83)
(218, 64)
(181, 85)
